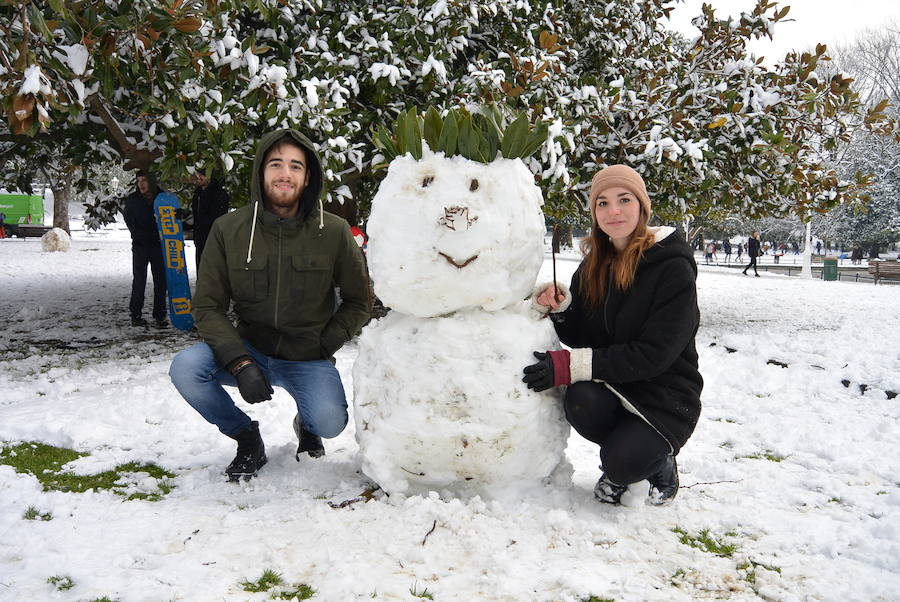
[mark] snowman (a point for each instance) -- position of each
(454, 248)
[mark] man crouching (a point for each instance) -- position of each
(278, 260)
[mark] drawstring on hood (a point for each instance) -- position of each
(312, 194)
(252, 231)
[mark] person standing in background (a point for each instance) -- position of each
(209, 202)
(145, 249)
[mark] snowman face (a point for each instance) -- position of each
(447, 234)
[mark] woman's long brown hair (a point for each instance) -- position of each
(601, 259)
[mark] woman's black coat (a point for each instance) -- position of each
(643, 339)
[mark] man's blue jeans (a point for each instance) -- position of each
(315, 386)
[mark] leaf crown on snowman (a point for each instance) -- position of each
(477, 136)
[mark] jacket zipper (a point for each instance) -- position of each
(278, 288)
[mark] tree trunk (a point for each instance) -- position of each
(806, 271)
(62, 192)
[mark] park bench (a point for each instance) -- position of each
(30, 230)
(884, 269)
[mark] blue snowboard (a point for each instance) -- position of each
(171, 235)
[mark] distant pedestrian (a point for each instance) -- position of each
(740, 251)
(753, 252)
(818, 247)
(856, 254)
(727, 246)
(710, 251)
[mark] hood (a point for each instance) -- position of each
(151, 179)
(669, 242)
(309, 201)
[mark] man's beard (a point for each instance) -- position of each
(279, 200)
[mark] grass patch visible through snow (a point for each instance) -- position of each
(45, 463)
(705, 542)
(270, 580)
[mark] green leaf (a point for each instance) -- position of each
(412, 134)
(468, 146)
(515, 138)
(38, 23)
(384, 142)
(491, 138)
(449, 135)
(432, 128)
(535, 139)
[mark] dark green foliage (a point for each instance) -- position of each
(476, 136)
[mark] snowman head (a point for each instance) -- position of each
(450, 233)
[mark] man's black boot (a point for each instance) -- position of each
(251, 454)
(309, 443)
(608, 492)
(664, 483)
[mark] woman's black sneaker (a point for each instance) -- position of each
(664, 484)
(608, 492)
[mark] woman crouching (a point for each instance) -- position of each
(630, 317)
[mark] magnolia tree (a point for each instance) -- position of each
(874, 62)
(187, 86)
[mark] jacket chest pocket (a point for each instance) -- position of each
(249, 283)
(310, 276)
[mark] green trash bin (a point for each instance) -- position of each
(829, 268)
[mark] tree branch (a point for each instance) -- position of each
(135, 158)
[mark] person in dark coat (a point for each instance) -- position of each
(630, 317)
(753, 252)
(209, 202)
(145, 249)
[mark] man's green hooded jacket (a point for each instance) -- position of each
(281, 276)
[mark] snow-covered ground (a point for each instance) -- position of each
(796, 470)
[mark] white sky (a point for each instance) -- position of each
(829, 21)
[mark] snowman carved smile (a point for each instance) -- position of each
(455, 263)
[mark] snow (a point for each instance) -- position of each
(428, 213)
(74, 373)
(455, 246)
(34, 82)
(76, 57)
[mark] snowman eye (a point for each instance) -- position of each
(473, 185)
(428, 180)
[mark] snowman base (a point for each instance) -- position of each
(440, 405)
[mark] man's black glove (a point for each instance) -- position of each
(181, 214)
(539, 376)
(252, 383)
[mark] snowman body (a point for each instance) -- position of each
(439, 404)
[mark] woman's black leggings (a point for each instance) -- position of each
(630, 449)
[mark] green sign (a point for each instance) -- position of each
(22, 208)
